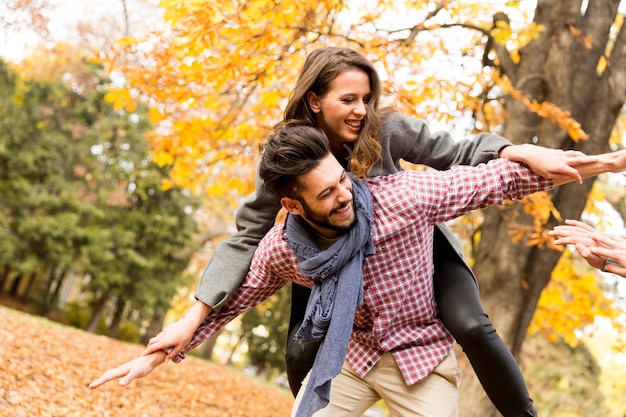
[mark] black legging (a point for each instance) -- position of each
(457, 297)
(462, 313)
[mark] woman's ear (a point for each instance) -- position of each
(314, 102)
(291, 205)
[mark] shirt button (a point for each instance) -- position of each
(381, 340)
(369, 363)
(365, 287)
(376, 314)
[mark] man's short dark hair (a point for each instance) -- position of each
(290, 152)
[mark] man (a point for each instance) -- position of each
(366, 248)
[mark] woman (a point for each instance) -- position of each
(339, 91)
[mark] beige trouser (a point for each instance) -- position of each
(350, 395)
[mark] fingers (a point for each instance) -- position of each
(607, 240)
(162, 343)
(153, 345)
(568, 171)
(575, 158)
(564, 164)
(614, 260)
(574, 229)
(137, 368)
(575, 240)
(110, 375)
(175, 350)
(569, 232)
(604, 252)
(580, 224)
(587, 254)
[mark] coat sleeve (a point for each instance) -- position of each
(231, 260)
(409, 139)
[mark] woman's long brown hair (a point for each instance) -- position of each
(321, 67)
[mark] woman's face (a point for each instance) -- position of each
(340, 113)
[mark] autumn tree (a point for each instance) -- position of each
(549, 72)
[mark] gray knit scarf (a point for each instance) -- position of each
(337, 275)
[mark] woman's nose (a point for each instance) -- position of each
(360, 108)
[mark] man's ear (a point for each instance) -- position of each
(291, 205)
(314, 102)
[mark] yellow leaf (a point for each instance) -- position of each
(154, 115)
(121, 99)
(166, 184)
(163, 159)
(128, 41)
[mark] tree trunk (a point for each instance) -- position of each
(114, 328)
(558, 68)
(53, 297)
(156, 324)
(32, 290)
(4, 277)
(208, 346)
(98, 310)
(15, 285)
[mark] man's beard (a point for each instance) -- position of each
(321, 220)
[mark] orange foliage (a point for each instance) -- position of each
(549, 111)
(218, 77)
(46, 369)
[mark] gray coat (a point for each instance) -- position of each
(404, 138)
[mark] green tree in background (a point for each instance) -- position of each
(81, 195)
(265, 330)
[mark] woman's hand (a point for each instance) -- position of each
(178, 335)
(549, 163)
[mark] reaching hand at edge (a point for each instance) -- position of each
(601, 250)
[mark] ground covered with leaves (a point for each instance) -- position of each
(45, 369)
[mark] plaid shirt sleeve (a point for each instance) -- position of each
(449, 194)
(272, 266)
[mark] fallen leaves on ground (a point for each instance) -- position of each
(45, 369)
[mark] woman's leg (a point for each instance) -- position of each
(299, 357)
(457, 297)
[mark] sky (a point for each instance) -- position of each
(104, 15)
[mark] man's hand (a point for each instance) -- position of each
(549, 163)
(137, 368)
(178, 335)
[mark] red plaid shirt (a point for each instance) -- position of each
(399, 313)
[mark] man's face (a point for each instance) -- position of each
(326, 200)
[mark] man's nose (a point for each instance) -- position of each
(346, 194)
